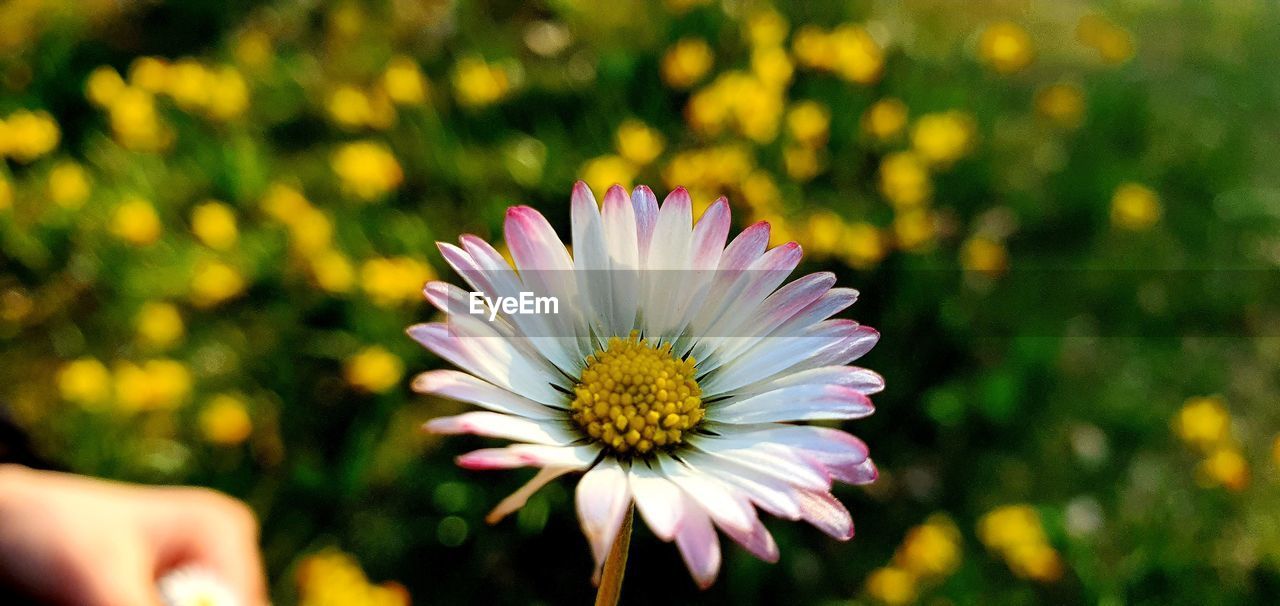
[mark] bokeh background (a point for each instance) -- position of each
(1064, 217)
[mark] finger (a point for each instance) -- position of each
(204, 528)
(122, 578)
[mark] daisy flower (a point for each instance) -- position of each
(672, 376)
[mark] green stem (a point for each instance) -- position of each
(615, 565)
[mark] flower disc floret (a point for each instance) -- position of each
(635, 398)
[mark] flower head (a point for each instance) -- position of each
(671, 375)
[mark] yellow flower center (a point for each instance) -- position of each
(635, 398)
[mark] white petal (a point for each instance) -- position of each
(826, 514)
(508, 427)
(767, 491)
(796, 403)
(603, 498)
(866, 381)
(466, 388)
(709, 235)
(489, 356)
(645, 205)
(659, 502)
(714, 497)
(529, 455)
(624, 258)
(699, 545)
(756, 540)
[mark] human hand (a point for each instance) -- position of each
(69, 539)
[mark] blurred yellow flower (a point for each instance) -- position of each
(885, 119)
(1062, 104)
(942, 138)
(404, 82)
(477, 83)
(1016, 533)
(904, 181)
(68, 185)
(766, 28)
(254, 49)
(349, 107)
(150, 74)
(135, 221)
(102, 85)
(225, 420)
(159, 325)
(809, 123)
(1005, 47)
(214, 223)
(913, 229)
(333, 578)
(864, 245)
(134, 121)
(1113, 43)
(332, 271)
(310, 231)
(602, 172)
(1203, 422)
(931, 549)
(188, 83)
(374, 369)
(1275, 450)
(802, 163)
(710, 171)
(1135, 207)
(229, 95)
(858, 58)
(638, 143)
(686, 62)
(984, 255)
(395, 280)
(367, 169)
(27, 135)
(772, 66)
(159, 384)
(283, 202)
(215, 282)
(1009, 526)
(1035, 561)
(760, 192)
(812, 48)
(85, 381)
(1225, 467)
(892, 586)
(824, 233)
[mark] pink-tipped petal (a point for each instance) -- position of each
(699, 545)
(645, 205)
(534, 244)
(463, 387)
(756, 540)
(826, 514)
(709, 235)
(508, 427)
(603, 497)
(517, 499)
(799, 403)
(528, 455)
(746, 247)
